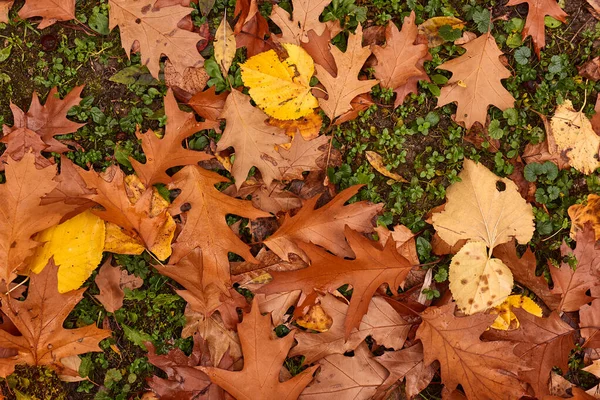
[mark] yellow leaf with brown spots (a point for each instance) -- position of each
(581, 214)
(507, 320)
(281, 88)
(315, 319)
(477, 281)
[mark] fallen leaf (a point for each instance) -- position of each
(39, 319)
(342, 377)
(485, 370)
(581, 215)
(209, 105)
(594, 368)
(573, 133)
(317, 47)
(156, 33)
(372, 267)
(251, 28)
(224, 46)
(591, 69)
(309, 126)
(589, 315)
(247, 132)
(51, 11)
(273, 199)
(111, 281)
(507, 320)
(323, 226)
(281, 88)
(476, 81)
(316, 319)
(76, 246)
(304, 18)
(539, 153)
(535, 25)
(186, 81)
(431, 29)
(303, 155)
(594, 8)
(277, 304)
(263, 357)
(5, 6)
(376, 162)
(345, 86)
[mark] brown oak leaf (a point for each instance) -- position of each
(475, 82)
(303, 155)
(165, 153)
(263, 358)
(111, 281)
(206, 225)
(209, 105)
(372, 267)
(156, 33)
(273, 199)
(535, 25)
(485, 370)
(253, 140)
(589, 315)
(251, 28)
(39, 319)
(324, 226)
(51, 11)
(304, 18)
(345, 86)
(317, 47)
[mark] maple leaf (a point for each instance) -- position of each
(372, 267)
(263, 358)
(129, 204)
(35, 129)
(185, 381)
(304, 18)
(570, 284)
(475, 82)
(165, 153)
(523, 269)
(206, 225)
(573, 134)
(51, 11)
(398, 61)
(342, 377)
(406, 364)
(39, 319)
(281, 88)
(535, 25)
(543, 343)
(251, 28)
(253, 140)
(21, 215)
(156, 32)
(589, 315)
(485, 370)
(323, 226)
(345, 86)
(111, 281)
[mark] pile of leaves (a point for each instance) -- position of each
(302, 275)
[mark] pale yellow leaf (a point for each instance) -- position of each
(281, 88)
(478, 282)
(224, 46)
(76, 246)
(376, 162)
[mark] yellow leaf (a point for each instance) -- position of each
(477, 281)
(376, 162)
(281, 88)
(120, 242)
(224, 46)
(76, 245)
(581, 214)
(316, 319)
(431, 29)
(506, 319)
(573, 134)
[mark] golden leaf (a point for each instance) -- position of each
(506, 319)
(315, 319)
(376, 162)
(224, 46)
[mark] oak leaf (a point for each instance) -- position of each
(281, 88)
(345, 86)
(156, 33)
(165, 153)
(485, 370)
(206, 225)
(572, 285)
(251, 28)
(543, 343)
(253, 140)
(111, 281)
(581, 215)
(573, 133)
(304, 155)
(209, 105)
(589, 322)
(39, 319)
(535, 25)
(278, 304)
(35, 129)
(398, 60)
(318, 48)
(323, 226)
(372, 267)
(273, 199)
(345, 378)
(304, 18)
(475, 82)
(308, 126)
(5, 6)
(21, 215)
(263, 358)
(51, 11)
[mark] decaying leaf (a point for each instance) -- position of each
(573, 133)
(263, 359)
(39, 319)
(431, 29)
(376, 162)
(476, 81)
(281, 88)
(581, 215)
(315, 319)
